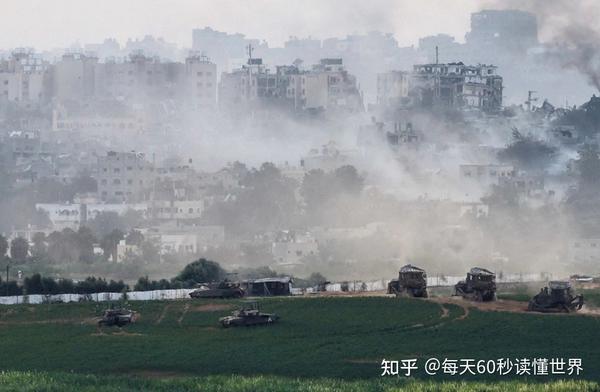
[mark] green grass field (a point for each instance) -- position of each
(60, 382)
(320, 340)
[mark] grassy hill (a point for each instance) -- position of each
(324, 339)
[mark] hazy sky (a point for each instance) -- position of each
(46, 24)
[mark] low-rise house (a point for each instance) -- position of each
(268, 286)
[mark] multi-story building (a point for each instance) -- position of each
(451, 85)
(200, 81)
(501, 31)
(74, 77)
(456, 85)
(250, 85)
(24, 79)
(136, 79)
(327, 86)
(392, 88)
(124, 177)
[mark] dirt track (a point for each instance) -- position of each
(502, 305)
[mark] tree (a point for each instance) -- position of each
(109, 244)
(315, 189)
(150, 252)
(105, 222)
(134, 237)
(85, 243)
(528, 152)
(19, 247)
(3, 246)
(347, 180)
(39, 248)
(200, 271)
(64, 246)
(33, 284)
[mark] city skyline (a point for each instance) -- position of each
(89, 22)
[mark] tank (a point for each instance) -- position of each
(479, 286)
(557, 297)
(224, 289)
(249, 314)
(412, 282)
(119, 317)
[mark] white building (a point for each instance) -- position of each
(62, 216)
(329, 158)
(486, 174)
(290, 248)
(23, 78)
(200, 81)
(177, 209)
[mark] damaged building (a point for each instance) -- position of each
(444, 86)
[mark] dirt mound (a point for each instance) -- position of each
(588, 310)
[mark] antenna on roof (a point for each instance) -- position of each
(436, 55)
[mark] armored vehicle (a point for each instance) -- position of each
(412, 281)
(118, 317)
(480, 285)
(224, 289)
(556, 297)
(249, 314)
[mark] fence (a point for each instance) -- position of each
(96, 297)
(352, 286)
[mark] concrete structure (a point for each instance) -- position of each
(24, 79)
(485, 175)
(124, 177)
(125, 251)
(74, 77)
(200, 83)
(329, 158)
(94, 124)
(456, 85)
(72, 215)
(327, 86)
(502, 31)
(290, 248)
(392, 88)
(176, 209)
(62, 216)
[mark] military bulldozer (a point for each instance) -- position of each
(557, 297)
(224, 289)
(412, 282)
(479, 286)
(118, 317)
(249, 314)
